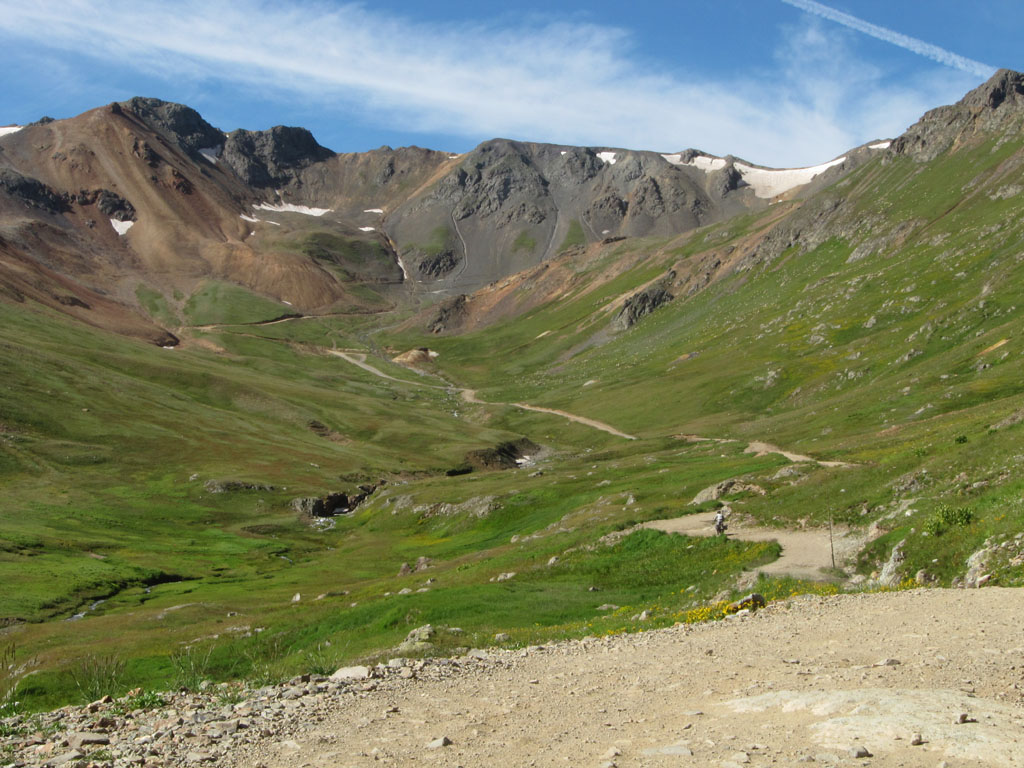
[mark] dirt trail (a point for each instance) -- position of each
(469, 395)
(912, 679)
(804, 553)
(359, 359)
(759, 448)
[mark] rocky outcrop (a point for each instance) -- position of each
(32, 192)
(271, 158)
(183, 125)
(449, 315)
(439, 265)
(892, 570)
(227, 486)
(996, 106)
(505, 455)
(644, 302)
(109, 203)
(731, 486)
(333, 503)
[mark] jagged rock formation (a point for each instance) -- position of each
(996, 106)
(271, 159)
(644, 302)
(409, 222)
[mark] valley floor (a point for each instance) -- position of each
(910, 678)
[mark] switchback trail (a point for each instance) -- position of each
(469, 395)
(804, 553)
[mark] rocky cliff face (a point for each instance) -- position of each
(271, 159)
(994, 107)
(255, 207)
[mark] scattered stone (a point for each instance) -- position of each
(67, 757)
(444, 741)
(79, 740)
(860, 752)
(501, 637)
(887, 663)
(916, 740)
(750, 602)
(352, 673)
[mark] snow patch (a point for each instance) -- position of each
(251, 219)
(374, 210)
(880, 145)
(454, 157)
(10, 129)
(292, 208)
(121, 227)
(211, 153)
(703, 162)
(769, 182)
(542, 335)
(405, 272)
(286, 302)
(563, 152)
(607, 157)
(367, 229)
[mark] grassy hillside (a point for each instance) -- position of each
(876, 324)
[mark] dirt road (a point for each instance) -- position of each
(906, 679)
(469, 395)
(804, 553)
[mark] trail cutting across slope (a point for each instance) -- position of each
(469, 395)
(760, 449)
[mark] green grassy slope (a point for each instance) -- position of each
(886, 335)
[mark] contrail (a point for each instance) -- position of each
(919, 47)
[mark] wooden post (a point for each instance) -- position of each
(831, 546)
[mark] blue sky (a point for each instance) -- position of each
(777, 82)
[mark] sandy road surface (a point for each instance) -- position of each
(802, 682)
(760, 449)
(804, 553)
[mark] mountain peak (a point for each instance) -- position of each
(183, 124)
(996, 107)
(1004, 87)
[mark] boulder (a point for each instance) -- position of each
(352, 673)
(750, 602)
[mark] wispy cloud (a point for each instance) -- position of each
(920, 47)
(574, 84)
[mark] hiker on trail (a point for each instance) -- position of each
(720, 525)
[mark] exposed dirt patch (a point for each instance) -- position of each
(811, 680)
